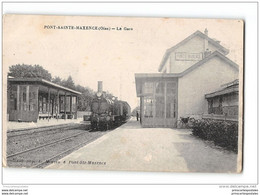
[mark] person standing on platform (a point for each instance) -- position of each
(137, 116)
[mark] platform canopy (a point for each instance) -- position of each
(30, 99)
(43, 82)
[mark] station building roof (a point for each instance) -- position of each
(197, 33)
(228, 88)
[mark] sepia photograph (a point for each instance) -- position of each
(146, 94)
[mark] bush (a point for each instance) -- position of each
(222, 133)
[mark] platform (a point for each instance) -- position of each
(13, 125)
(133, 148)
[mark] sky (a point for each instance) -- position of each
(111, 56)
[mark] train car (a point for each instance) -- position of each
(122, 113)
(127, 110)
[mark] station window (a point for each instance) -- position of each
(32, 98)
(170, 107)
(148, 107)
(159, 99)
(220, 111)
(62, 103)
(160, 88)
(210, 106)
(159, 106)
(74, 105)
(55, 105)
(13, 98)
(171, 88)
(44, 105)
(67, 103)
(40, 104)
(22, 98)
(51, 105)
(148, 87)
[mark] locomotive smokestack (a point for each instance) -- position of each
(100, 86)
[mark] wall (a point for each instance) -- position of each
(23, 108)
(230, 100)
(155, 119)
(204, 79)
(195, 45)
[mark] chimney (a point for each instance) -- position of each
(100, 86)
(206, 31)
(206, 43)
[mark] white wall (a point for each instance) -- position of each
(204, 79)
(195, 45)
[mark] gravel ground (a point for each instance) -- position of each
(34, 131)
(40, 155)
(26, 141)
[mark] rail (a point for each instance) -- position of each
(41, 146)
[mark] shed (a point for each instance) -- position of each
(223, 103)
(30, 99)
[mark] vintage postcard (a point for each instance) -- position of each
(123, 93)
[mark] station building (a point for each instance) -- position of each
(194, 67)
(224, 102)
(30, 99)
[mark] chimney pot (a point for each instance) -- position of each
(100, 86)
(206, 31)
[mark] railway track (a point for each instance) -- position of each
(60, 155)
(28, 140)
(29, 153)
(41, 146)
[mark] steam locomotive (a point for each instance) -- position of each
(106, 112)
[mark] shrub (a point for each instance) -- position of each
(222, 133)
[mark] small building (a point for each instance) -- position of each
(30, 99)
(223, 103)
(158, 99)
(188, 71)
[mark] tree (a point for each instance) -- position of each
(85, 98)
(69, 83)
(29, 71)
(37, 71)
(57, 80)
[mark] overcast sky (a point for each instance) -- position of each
(110, 56)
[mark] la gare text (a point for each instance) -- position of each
(95, 28)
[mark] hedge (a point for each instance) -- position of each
(222, 133)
